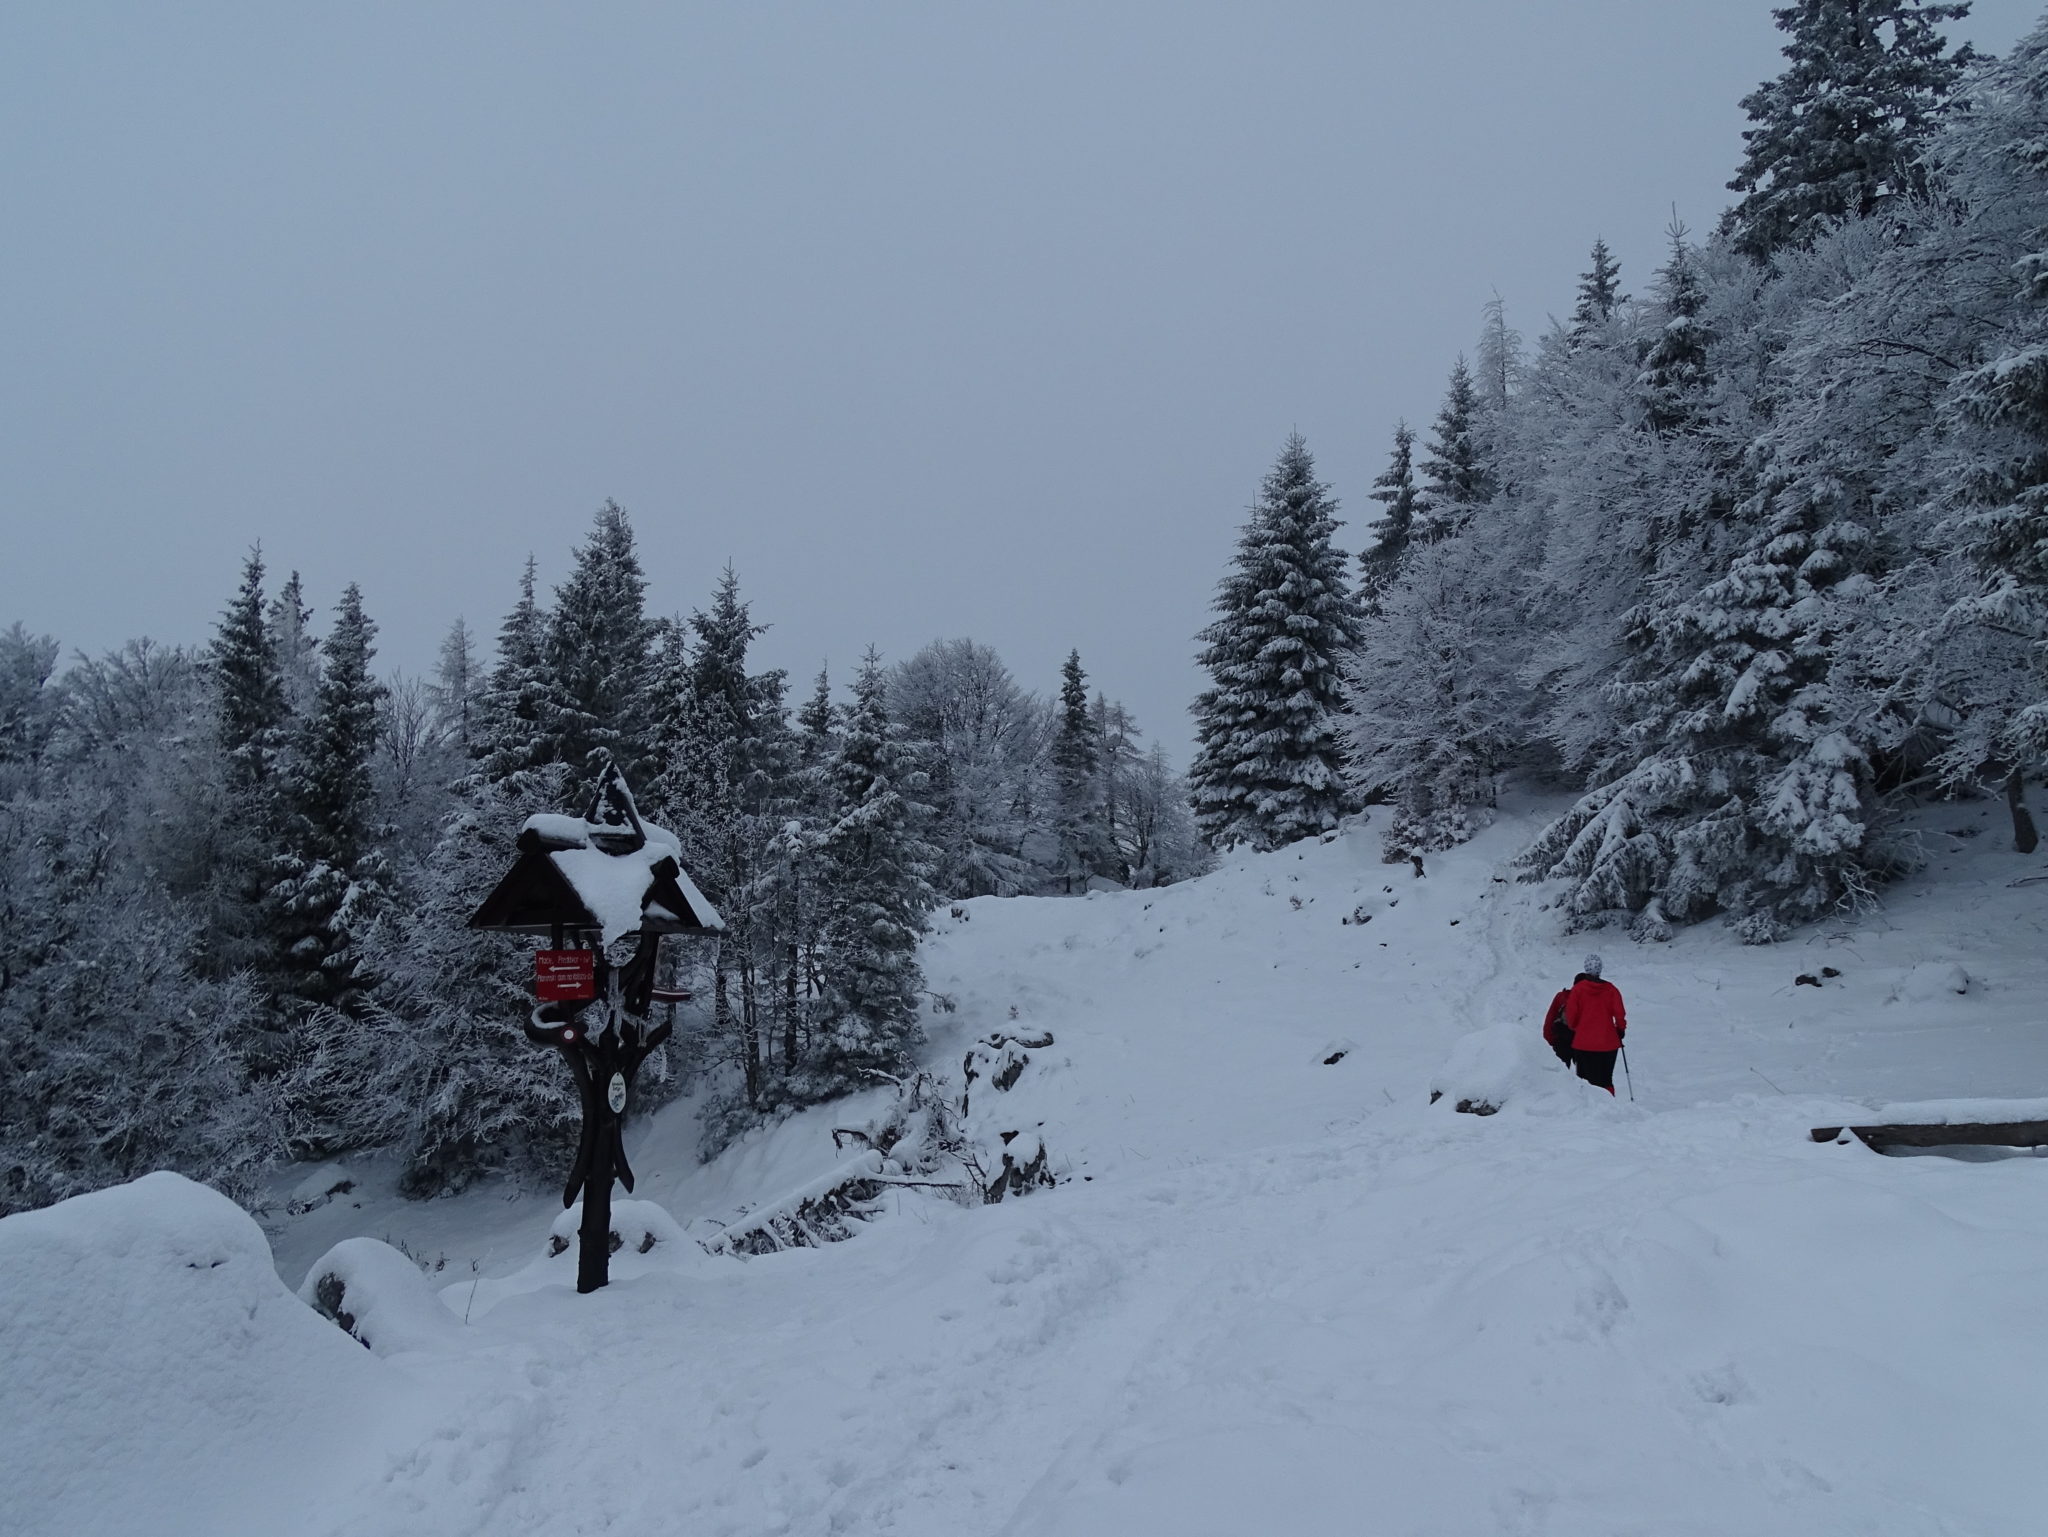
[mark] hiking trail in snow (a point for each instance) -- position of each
(1271, 1293)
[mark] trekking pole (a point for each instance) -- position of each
(1626, 1076)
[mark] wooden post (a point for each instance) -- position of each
(594, 1238)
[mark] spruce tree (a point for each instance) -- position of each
(875, 866)
(1380, 562)
(250, 707)
(747, 704)
(818, 722)
(1454, 467)
(329, 880)
(1672, 384)
(1267, 769)
(1076, 767)
(1998, 409)
(1840, 132)
(1746, 789)
(726, 762)
(250, 738)
(597, 656)
(290, 619)
(1599, 296)
(518, 699)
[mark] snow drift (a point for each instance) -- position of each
(160, 1379)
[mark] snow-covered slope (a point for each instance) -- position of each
(1275, 1291)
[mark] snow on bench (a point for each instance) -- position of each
(1950, 1123)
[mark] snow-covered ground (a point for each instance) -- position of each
(1274, 1293)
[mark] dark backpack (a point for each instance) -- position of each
(1556, 1033)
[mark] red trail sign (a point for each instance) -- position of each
(564, 976)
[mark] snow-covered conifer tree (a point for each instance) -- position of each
(1076, 761)
(518, 699)
(327, 882)
(1841, 131)
(818, 721)
(1675, 376)
(297, 649)
(248, 687)
(728, 759)
(1380, 561)
(1599, 296)
(1454, 468)
(597, 653)
(1268, 769)
(1992, 159)
(875, 867)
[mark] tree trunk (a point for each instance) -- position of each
(2024, 837)
(729, 1027)
(789, 1013)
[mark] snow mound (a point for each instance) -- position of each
(637, 1227)
(1931, 981)
(320, 1184)
(646, 1240)
(1499, 1064)
(380, 1297)
(156, 1376)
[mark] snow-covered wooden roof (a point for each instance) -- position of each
(609, 871)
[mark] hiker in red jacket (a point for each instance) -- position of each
(1596, 1023)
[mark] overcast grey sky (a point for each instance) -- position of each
(934, 319)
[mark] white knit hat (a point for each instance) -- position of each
(1591, 967)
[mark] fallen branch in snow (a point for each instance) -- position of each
(813, 1214)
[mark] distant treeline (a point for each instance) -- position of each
(234, 881)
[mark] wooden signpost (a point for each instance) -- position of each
(566, 885)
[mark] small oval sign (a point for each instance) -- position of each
(615, 1093)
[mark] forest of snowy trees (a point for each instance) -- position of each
(1743, 560)
(235, 879)
(1740, 562)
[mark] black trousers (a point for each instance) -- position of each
(1596, 1067)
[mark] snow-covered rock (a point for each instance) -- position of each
(1931, 981)
(1487, 1069)
(380, 1297)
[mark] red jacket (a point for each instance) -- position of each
(1594, 1015)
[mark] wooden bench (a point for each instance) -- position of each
(1951, 1134)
